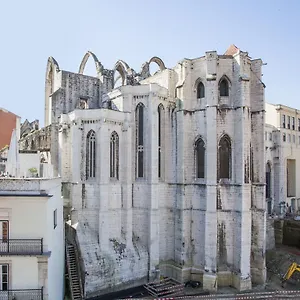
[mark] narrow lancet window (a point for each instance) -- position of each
(224, 88)
(200, 90)
(91, 154)
(114, 155)
(160, 111)
(139, 117)
(200, 158)
(225, 158)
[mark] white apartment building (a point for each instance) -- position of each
(31, 239)
(282, 142)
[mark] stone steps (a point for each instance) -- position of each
(73, 273)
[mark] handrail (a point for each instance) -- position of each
(21, 246)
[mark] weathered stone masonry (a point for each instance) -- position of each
(186, 198)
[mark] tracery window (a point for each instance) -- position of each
(91, 154)
(224, 88)
(200, 90)
(160, 111)
(114, 155)
(224, 158)
(139, 117)
(200, 158)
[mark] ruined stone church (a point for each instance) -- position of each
(163, 175)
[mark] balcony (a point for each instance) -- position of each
(21, 247)
(28, 294)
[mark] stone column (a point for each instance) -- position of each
(152, 172)
(210, 276)
(126, 179)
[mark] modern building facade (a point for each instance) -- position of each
(163, 175)
(282, 139)
(31, 239)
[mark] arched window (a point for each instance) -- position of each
(224, 158)
(139, 119)
(268, 180)
(200, 158)
(200, 90)
(91, 154)
(114, 155)
(160, 138)
(224, 87)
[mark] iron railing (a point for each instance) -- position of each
(21, 247)
(28, 294)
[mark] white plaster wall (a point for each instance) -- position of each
(27, 217)
(27, 161)
(19, 278)
(55, 238)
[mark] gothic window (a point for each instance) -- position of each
(224, 87)
(160, 111)
(268, 181)
(200, 158)
(251, 164)
(91, 154)
(139, 118)
(114, 155)
(200, 90)
(224, 158)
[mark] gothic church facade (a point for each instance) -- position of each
(163, 175)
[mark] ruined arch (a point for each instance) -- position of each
(51, 69)
(98, 64)
(159, 62)
(122, 68)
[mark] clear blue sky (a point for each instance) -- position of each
(31, 31)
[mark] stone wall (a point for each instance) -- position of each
(131, 229)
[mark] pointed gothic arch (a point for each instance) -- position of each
(122, 68)
(224, 157)
(99, 66)
(159, 62)
(224, 86)
(51, 69)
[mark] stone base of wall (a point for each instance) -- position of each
(241, 284)
(210, 281)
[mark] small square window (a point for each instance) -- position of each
(55, 218)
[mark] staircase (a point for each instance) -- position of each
(75, 286)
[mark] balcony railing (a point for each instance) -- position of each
(30, 294)
(21, 247)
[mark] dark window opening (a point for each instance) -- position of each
(160, 111)
(140, 140)
(54, 218)
(114, 155)
(224, 88)
(224, 158)
(200, 158)
(91, 155)
(268, 181)
(200, 90)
